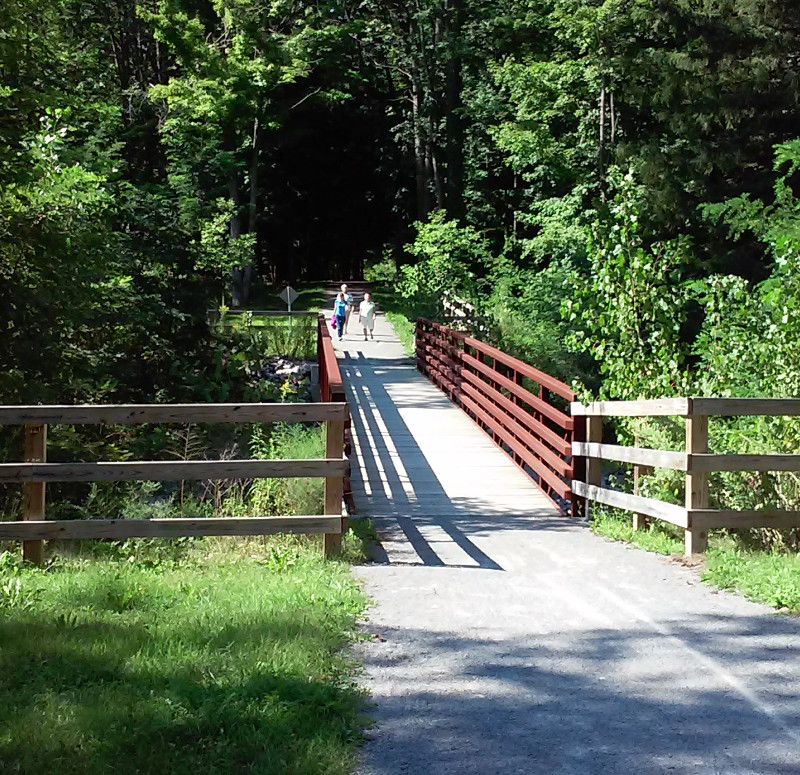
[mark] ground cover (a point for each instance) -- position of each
(770, 577)
(208, 656)
(397, 313)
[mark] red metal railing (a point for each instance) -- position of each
(508, 399)
(331, 384)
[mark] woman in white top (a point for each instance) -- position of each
(366, 316)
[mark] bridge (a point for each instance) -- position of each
(508, 638)
(505, 637)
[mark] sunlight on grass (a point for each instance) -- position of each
(226, 659)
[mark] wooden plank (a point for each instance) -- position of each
(534, 444)
(774, 518)
(168, 471)
(538, 428)
(696, 538)
(334, 487)
(638, 455)
(729, 407)
(165, 528)
(33, 507)
(656, 407)
(134, 414)
(532, 400)
(707, 462)
(636, 503)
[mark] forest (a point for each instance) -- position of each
(610, 183)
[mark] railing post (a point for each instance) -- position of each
(696, 540)
(594, 465)
(639, 520)
(334, 485)
(34, 492)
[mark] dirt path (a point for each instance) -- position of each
(507, 639)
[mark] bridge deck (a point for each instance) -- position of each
(507, 638)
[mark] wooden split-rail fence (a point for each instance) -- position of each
(35, 472)
(559, 442)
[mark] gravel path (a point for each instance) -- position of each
(507, 639)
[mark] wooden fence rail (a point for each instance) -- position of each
(35, 472)
(331, 387)
(507, 398)
(695, 517)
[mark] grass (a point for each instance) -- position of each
(403, 322)
(208, 656)
(766, 577)
(404, 328)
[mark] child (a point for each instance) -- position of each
(366, 316)
(340, 313)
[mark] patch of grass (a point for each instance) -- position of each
(656, 537)
(767, 577)
(404, 328)
(225, 660)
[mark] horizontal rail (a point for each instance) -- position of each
(688, 407)
(636, 455)
(536, 403)
(171, 470)
(134, 414)
(636, 503)
(656, 407)
(526, 370)
(729, 407)
(709, 462)
(705, 519)
(119, 529)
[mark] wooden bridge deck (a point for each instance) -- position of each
(420, 466)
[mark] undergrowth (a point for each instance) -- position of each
(214, 655)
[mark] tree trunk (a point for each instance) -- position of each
(455, 121)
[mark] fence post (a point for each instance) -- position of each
(334, 485)
(696, 541)
(639, 520)
(594, 465)
(34, 492)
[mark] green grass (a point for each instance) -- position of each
(211, 656)
(766, 577)
(397, 313)
(656, 537)
(404, 328)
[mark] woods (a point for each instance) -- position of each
(609, 184)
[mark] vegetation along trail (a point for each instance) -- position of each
(506, 638)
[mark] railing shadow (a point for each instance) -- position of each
(394, 478)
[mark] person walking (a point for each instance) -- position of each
(366, 316)
(340, 313)
(348, 299)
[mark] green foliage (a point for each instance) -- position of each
(448, 256)
(628, 311)
(293, 495)
(227, 659)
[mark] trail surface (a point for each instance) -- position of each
(507, 639)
